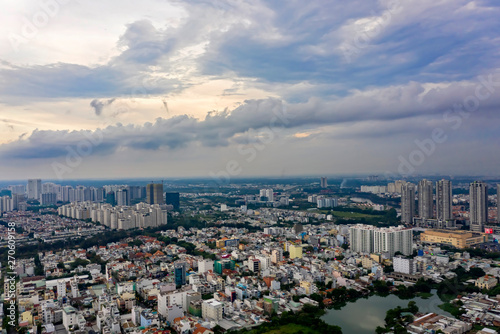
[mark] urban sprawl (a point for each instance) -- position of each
(254, 257)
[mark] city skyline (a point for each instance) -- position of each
(194, 89)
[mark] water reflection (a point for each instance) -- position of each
(364, 315)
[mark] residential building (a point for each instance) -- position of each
(478, 204)
(444, 204)
(370, 239)
(407, 203)
(295, 251)
(403, 265)
(212, 309)
(324, 182)
(486, 282)
(277, 255)
(205, 265)
(34, 189)
(425, 202)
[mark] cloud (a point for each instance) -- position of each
(415, 65)
(98, 106)
(388, 112)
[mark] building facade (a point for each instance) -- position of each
(425, 202)
(444, 204)
(478, 204)
(407, 203)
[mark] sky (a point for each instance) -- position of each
(225, 89)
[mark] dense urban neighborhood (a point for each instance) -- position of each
(248, 259)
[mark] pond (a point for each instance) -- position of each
(365, 314)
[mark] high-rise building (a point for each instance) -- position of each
(295, 251)
(425, 203)
(122, 197)
(324, 182)
(277, 255)
(111, 198)
(478, 205)
(180, 273)
(393, 239)
(61, 288)
(267, 195)
(361, 238)
(34, 188)
(173, 198)
(444, 202)
(154, 193)
(48, 199)
(407, 202)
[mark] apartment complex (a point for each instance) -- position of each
(443, 200)
(371, 239)
(407, 202)
(425, 202)
(478, 203)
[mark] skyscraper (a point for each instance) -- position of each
(122, 197)
(407, 202)
(180, 273)
(361, 238)
(478, 205)
(443, 200)
(154, 193)
(324, 182)
(173, 198)
(425, 203)
(34, 188)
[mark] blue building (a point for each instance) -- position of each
(180, 273)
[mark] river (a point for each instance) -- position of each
(365, 314)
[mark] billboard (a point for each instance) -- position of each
(488, 230)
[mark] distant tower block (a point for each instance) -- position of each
(154, 193)
(478, 204)
(324, 182)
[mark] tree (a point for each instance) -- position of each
(412, 307)
(476, 272)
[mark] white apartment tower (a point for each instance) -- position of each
(34, 188)
(61, 288)
(361, 238)
(370, 239)
(393, 239)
